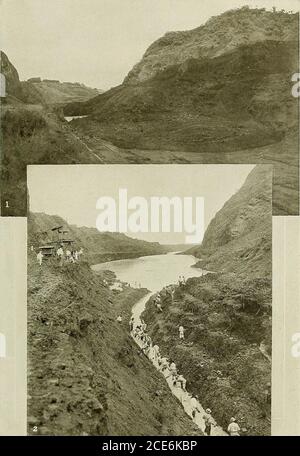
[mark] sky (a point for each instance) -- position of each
(72, 191)
(97, 42)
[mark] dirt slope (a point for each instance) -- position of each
(86, 375)
(239, 237)
(226, 318)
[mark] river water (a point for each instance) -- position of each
(154, 272)
(69, 118)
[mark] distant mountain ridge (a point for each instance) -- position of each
(53, 91)
(98, 247)
(36, 90)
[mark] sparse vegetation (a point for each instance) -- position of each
(22, 122)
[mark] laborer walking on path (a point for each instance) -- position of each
(157, 301)
(144, 325)
(164, 364)
(131, 324)
(172, 293)
(233, 428)
(195, 406)
(182, 382)
(268, 393)
(156, 352)
(173, 371)
(181, 332)
(169, 292)
(208, 421)
(159, 307)
(60, 255)
(39, 257)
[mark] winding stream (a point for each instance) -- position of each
(154, 272)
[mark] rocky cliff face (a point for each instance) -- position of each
(239, 238)
(13, 84)
(220, 35)
(227, 315)
(98, 247)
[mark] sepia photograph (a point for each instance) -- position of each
(149, 82)
(149, 300)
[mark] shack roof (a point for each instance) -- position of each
(57, 228)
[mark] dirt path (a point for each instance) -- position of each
(183, 396)
(86, 147)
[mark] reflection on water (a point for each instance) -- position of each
(69, 118)
(152, 272)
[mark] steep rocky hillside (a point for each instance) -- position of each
(86, 376)
(220, 35)
(221, 93)
(239, 237)
(226, 355)
(16, 91)
(98, 247)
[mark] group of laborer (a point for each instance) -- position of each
(169, 370)
(181, 281)
(168, 367)
(70, 256)
(168, 290)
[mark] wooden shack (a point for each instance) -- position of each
(47, 250)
